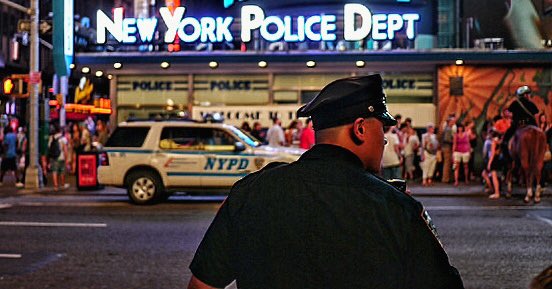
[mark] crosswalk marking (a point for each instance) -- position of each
(548, 221)
(10, 256)
(45, 224)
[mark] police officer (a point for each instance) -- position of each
(523, 111)
(327, 220)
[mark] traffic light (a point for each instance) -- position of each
(8, 86)
(16, 85)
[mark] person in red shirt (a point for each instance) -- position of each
(503, 124)
(307, 136)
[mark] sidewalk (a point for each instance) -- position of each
(474, 189)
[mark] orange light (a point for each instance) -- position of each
(8, 86)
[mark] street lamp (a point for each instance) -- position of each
(33, 172)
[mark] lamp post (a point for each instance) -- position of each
(33, 173)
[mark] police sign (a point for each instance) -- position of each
(358, 23)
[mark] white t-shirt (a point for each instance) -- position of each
(275, 136)
(390, 157)
(413, 141)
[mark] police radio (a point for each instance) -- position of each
(399, 184)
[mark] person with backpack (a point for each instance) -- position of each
(57, 152)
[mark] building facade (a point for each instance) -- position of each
(255, 60)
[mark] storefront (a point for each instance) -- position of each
(254, 97)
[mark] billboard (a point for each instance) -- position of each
(510, 24)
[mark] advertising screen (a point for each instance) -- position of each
(510, 24)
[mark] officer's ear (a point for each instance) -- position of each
(358, 131)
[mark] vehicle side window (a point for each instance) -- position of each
(196, 138)
(181, 138)
(128, 137)
(218, 140)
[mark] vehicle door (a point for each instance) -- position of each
(124, 150)
(179, 156)
(223, 163)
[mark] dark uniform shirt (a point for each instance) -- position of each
(321, 222)
(526, 115)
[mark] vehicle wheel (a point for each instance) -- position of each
(144, 187)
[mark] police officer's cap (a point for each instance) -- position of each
(523, 90)
(344, 100)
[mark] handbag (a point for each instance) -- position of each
(439, 156)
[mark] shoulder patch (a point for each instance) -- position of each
(429, 222)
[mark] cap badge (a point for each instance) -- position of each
(371, 108)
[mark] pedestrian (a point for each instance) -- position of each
(275, 135)
(57, 152)
(102, 133)
(245, 126)
(21, 154)
(495, 163)
(9, 157)
(471, 131)
(258, 132)
(446, 147)
(461, 150)
(326, 220)
(488, 185)
(86, 139)
(296, 135)
(429, 147)
(410, 149)
(90, 125)
(503, 122)
(392, 159)
(290, 132)
(543, 123)
(75, 144)
(307, 136)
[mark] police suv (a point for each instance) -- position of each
(152, 159)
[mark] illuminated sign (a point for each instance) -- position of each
(359, 22)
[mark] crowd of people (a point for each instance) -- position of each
(60, 156)
(443, 153)
(297, 134)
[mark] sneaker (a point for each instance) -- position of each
(19, 185)
(66, 186)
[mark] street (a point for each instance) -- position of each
(97, 239)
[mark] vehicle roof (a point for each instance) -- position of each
(171, 123)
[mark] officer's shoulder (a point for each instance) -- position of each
(393, 195)
(269, 169)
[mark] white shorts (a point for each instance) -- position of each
(461, 157)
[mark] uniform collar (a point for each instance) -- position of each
(334, 153)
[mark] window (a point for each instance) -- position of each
(196, 138)
(133, 137)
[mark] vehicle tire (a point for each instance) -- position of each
(144, 187)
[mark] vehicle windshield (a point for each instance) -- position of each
(245, 137)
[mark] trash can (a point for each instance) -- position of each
(87, 171)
